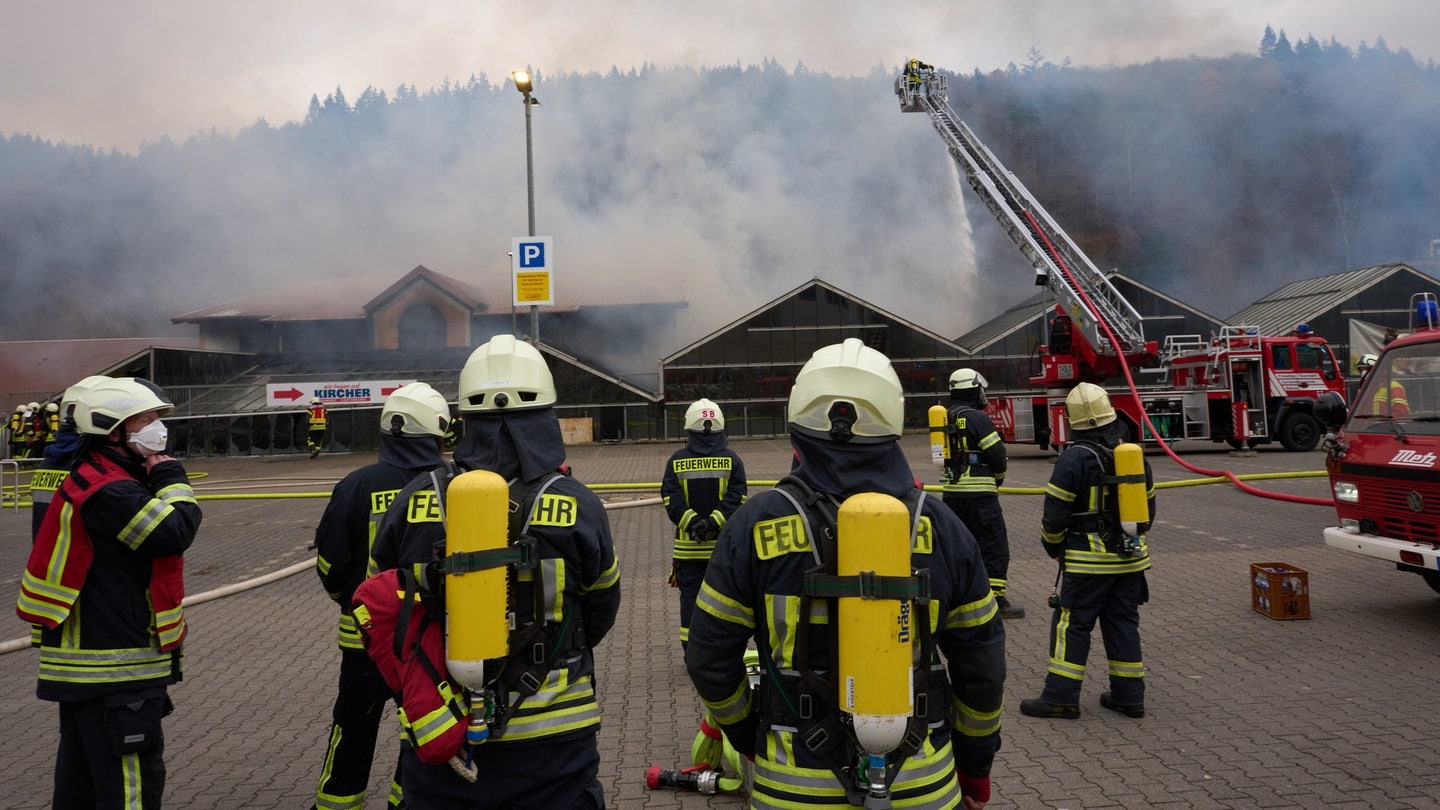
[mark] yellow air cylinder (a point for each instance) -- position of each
(476, 627)
(1130, 469)
(876, 635)
(939, 443)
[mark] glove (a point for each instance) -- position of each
(674, 579)
(702, 530)
(976, 788)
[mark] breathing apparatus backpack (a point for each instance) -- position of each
(1123, 512)
(401, 616)
(813, 701)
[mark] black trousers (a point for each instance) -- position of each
(111, 753)
(1114, 602)
(982, 516)
(359, 707)
(689, 574)
(548, 776)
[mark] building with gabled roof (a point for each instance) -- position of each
(1351, 310)
(748, 365)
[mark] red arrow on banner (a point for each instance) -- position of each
(293, 393)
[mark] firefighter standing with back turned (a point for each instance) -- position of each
(412, 422)
(105, 580)
(541, 751)
(317, 420)
(703, 485)
(1103, 560)
(973, 474)
(770, 581)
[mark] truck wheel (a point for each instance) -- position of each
(1300, 432)
(1432, 578)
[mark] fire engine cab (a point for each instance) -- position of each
(1383, 455)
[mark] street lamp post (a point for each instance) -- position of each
(525, 85)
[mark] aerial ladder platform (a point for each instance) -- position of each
(1082, 291)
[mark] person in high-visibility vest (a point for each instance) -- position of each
(702, 486)
(846, 415)
(973, 473)
(412, 422)
(105, 583)
(541, 749)
(18, 445)
(318, 422)
(1104, 566)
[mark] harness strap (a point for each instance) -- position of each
(820, 725)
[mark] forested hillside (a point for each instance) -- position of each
(1215, 180)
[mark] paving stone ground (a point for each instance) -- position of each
(1242, 710)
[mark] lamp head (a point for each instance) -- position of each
(522, 81)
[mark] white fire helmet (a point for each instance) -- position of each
(704, 416)
(104, 406)
(415, 410)
(505, 375)
(1366, 362)
(848, 392)
(971, 382)
(72, 394)
(966, 379)
(1088, 406)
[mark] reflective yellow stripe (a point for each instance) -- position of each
(102, 666)
(723, 607)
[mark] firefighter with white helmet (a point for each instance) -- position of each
(541, 750)
(35, 430)
(974, 471)
(1103, 563)
(113, 556)
(16, 429)
(317, 421)
(59, 454)
(702, 486)
(846, 413)
(413, 422)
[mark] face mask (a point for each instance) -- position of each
(151, 439)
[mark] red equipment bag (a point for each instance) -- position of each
(433, 709)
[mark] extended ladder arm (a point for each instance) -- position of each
(1058, 262)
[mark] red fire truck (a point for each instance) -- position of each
(1384, 456)
(1240, 387)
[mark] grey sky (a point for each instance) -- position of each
(119, 74)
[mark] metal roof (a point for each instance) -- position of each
(814, 282)
(1306, 300)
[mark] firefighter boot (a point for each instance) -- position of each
(1127, 709)
(1009, 610)
(1039, 707)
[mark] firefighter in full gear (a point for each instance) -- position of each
(105, 581)
(412, 422)
(541, 750)
(973, 474)
(59, 454)
(703, 485)
(17, 432)
(1103, 566)
(318, 420)
(35, 430)
(845, 415)
(52, 422)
